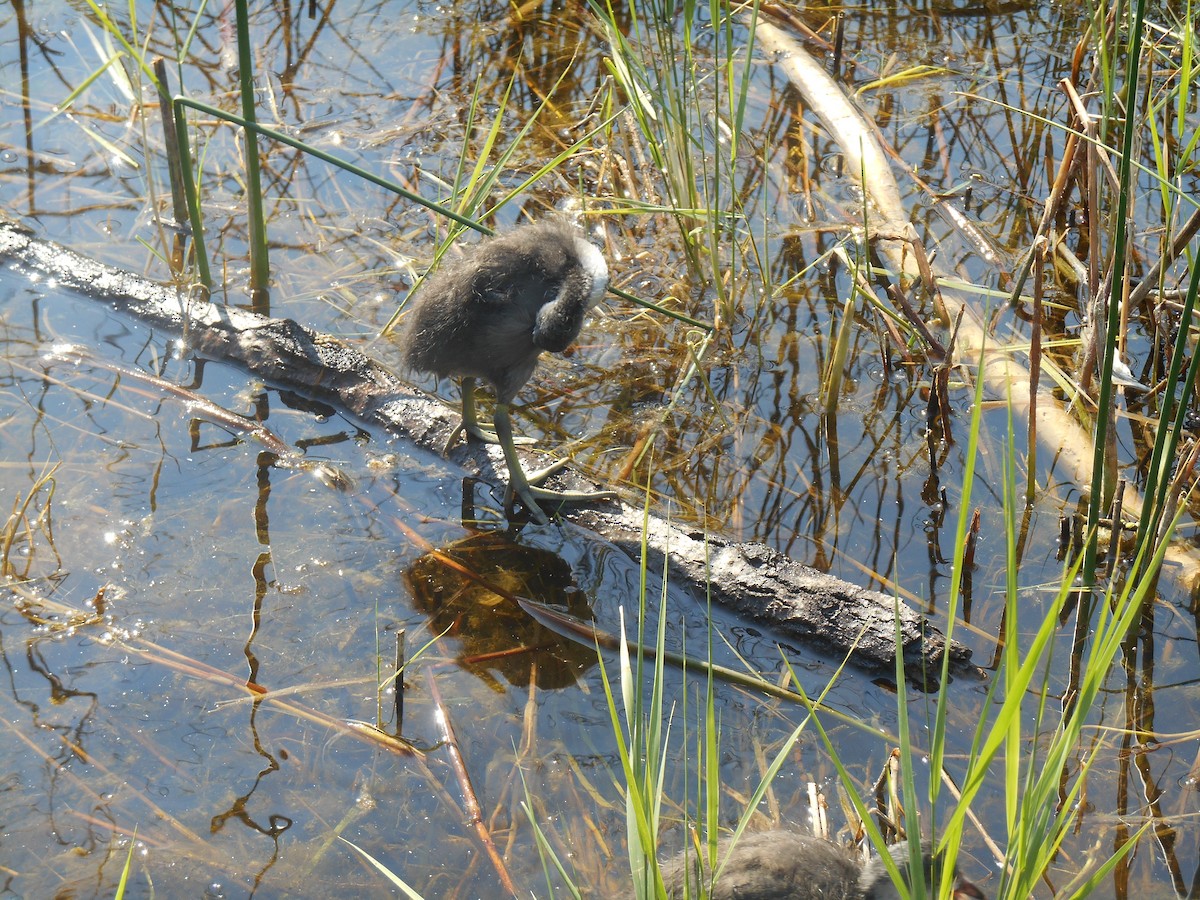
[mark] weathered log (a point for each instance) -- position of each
(801, 603)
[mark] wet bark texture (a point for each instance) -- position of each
(801, 603)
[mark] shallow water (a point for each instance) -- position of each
(171, 567)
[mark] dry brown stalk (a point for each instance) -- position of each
(473, 809)
(999, 364)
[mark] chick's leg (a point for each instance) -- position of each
(521, 486)
(470, 421)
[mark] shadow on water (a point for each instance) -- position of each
(497, 638)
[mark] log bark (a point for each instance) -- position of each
(802, 604)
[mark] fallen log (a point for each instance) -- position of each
(800, 603)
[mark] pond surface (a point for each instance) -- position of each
(164, 569)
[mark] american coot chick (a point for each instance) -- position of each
(786, 865)
(492, 314)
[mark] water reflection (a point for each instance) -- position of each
(496, 638)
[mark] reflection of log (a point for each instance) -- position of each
(799, 602)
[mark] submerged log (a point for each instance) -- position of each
(801, 603)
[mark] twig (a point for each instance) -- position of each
(474, 812)
(1178, 244)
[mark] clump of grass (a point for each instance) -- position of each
(690, 109)
(28, 519)
(642, 717)
(391, 877)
